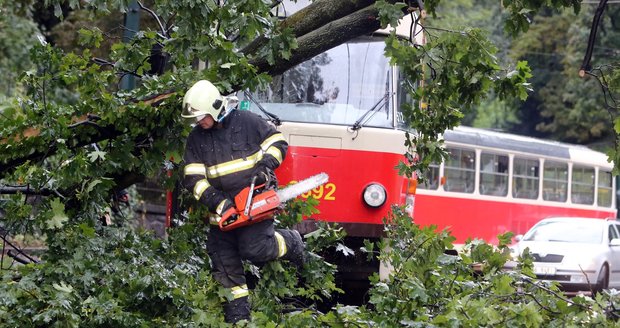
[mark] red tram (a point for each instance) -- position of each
(341, 114)
(497, 182)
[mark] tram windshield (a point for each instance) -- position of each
(349, 84)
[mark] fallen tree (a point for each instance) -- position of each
(320, 26)
(76, 137)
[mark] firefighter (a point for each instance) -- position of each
(224, 151)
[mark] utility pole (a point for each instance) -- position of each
(132, 24)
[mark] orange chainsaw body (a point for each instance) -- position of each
(262, 206)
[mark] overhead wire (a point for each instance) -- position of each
(611, 103)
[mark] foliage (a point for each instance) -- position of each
(562, 105)
(18, 37)
(431, 288)
(117, 276)
(88, 279)
(462, 69)
(96, 276)
(488, 16)
(74, 136)
(565, 106)
(518, 13)
(495, 114)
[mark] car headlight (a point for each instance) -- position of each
(374, 195)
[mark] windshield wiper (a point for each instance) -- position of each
(358, 124)
(272, 117)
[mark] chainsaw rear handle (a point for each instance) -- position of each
(239, 220)
(230, 216)
(242, 205)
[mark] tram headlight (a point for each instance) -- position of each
(374, 195)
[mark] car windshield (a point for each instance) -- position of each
(339, 86)
(588, 232)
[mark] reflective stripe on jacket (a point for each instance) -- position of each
(219, 162)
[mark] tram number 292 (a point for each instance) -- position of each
(322, 192)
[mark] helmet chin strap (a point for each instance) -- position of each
(223, 114)
(231, 104)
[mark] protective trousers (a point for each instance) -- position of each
(257, 243)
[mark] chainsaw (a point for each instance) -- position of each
(256, 203)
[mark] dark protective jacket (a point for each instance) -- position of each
(221, 161)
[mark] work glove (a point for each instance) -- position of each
(226, 205)
(261, 173)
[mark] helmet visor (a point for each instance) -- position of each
(190, 112)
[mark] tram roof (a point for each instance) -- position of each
(528, 145)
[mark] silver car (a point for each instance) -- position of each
(582, 254)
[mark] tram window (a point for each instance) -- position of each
(460, 169)
(582, 186)
(555, 181)
(431, 178)
(493, 174)
(404, 101)
(525, 178)
(339, 86)
(604, 188)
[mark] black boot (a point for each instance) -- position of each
(295, 247)
(237, 310)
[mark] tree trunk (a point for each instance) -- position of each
(334, 33)
(312, 17)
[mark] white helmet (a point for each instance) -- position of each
(203, 99)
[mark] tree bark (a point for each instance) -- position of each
(334, 33)
(25, 190)
(311, 18)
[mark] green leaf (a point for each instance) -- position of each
(346, 251)
(503, 286)
(389, 14)
(58, 215)
(92, 185)
(95, 155)
(617, 125)
(505, 238)
(63, 287)
(87, 230)
(58, 10)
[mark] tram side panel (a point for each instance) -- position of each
(351, 167)
(483, 218)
